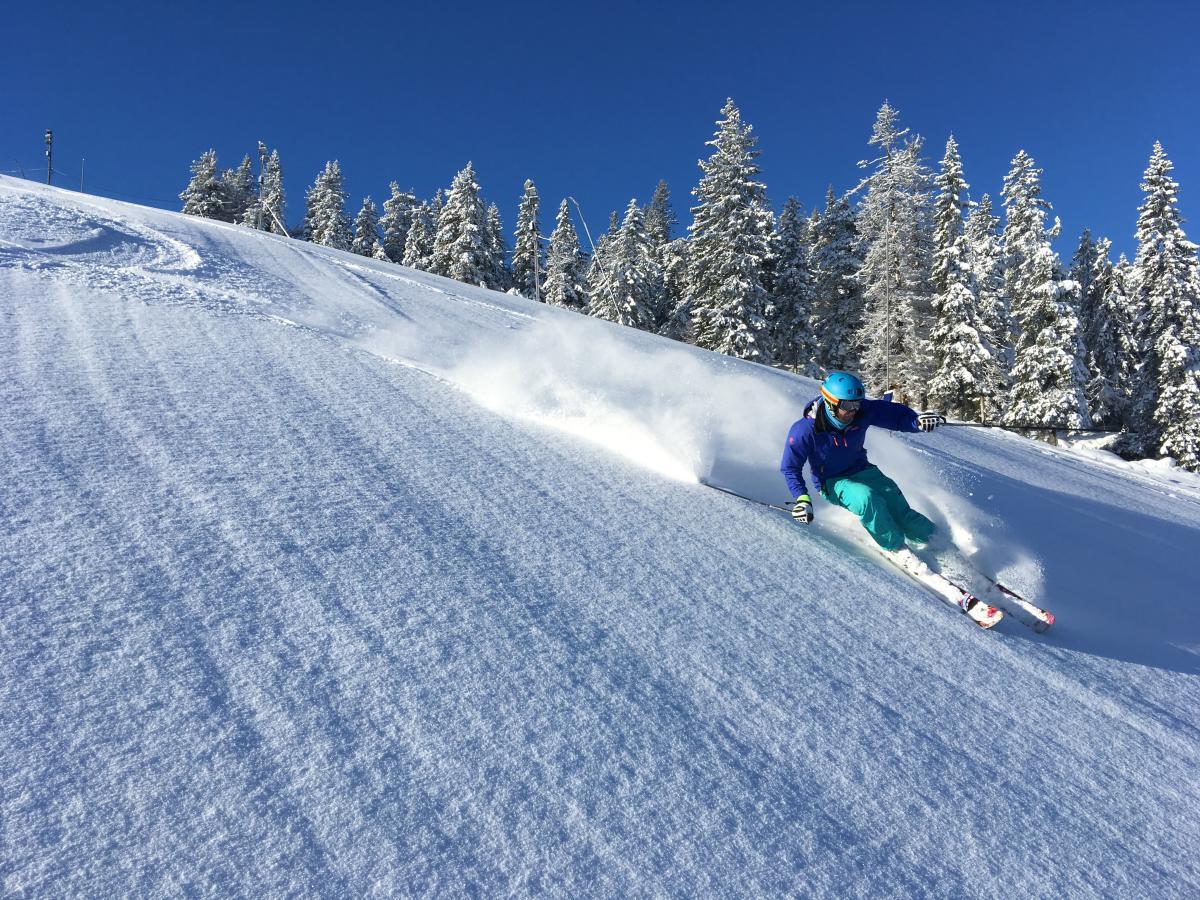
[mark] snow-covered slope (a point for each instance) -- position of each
(325, 576)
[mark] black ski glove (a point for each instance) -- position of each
(928, 421)
(802, 509)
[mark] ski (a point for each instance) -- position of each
(1026, 612)
(1039, 619)
(983, 614)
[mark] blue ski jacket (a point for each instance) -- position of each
(834, 454)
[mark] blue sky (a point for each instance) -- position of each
(600, 101)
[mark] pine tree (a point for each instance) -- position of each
(266, 210)
(325, 219)
(895, 239)
(643, 266)
(418, 243)
(596, 284)
(631, 279)
(1048, 376)
(986, 259)
(527, 266)
(1093, 280)
(1083, 265)
(205, 194)
(1166, 400)
(499, 276)
(565, 264)
(1107, 337)
(274, 200)
(366, 229)
(730, 244)
(792, 290)
(460, 248)
(435, 207)
(660, 222)
(660, 217)
(961, 379)
(239, 190)
(1125, 296)
(675, 309)
(397, 219)
(837, 307)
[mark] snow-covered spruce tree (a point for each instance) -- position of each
(396, 221)
(1125, 292)
(565, 264)
(632, 279)
(528, 269)
(1083, 265)
(660, 222)
(660, 219)
(730, 243)
(460, 249)
(366, 229)
(1048, 375)
(1086, 272)
(963, 361)
(837, 308)
(266, 211)
(597, 286)
(435, 207)
(250, 216)
(792, 290)
(239, 190)
(418, 243)
(205, 194)
(675, 310)
(1166, 399)
(499, 277)
(325, 219)
(638, 260)
(895, 239)
(986, 259)
(1107, 337)
(273, 198)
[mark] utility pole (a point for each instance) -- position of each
(81, 164)
(262, 169)
(537, 276)
(49, 158)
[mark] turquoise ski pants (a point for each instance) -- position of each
(881, 507)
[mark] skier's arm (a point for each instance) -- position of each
(890, 415)
(795, 455)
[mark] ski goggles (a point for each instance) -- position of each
(849, 405)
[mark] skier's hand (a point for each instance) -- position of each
(928, 421)
(802, 509)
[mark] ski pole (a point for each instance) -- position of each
(744, 497)
(1027, 427)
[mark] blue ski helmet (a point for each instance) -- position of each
(841, 386)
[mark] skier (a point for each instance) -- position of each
(830, 437)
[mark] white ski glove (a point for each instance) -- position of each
(928, 421)
(802, 509)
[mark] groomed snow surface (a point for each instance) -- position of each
(322, 576)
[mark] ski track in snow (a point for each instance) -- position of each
(285, 614)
